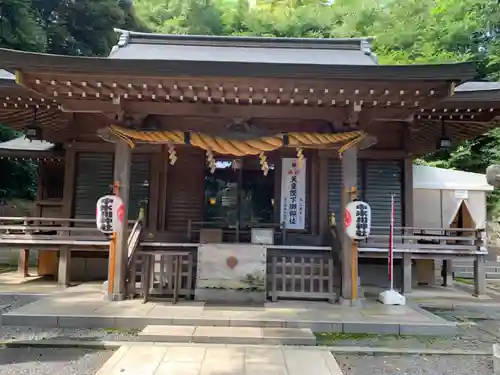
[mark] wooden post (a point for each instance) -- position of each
(349, 256)
(63, 273)
(22, 263)
(408, 220)
(118, 256)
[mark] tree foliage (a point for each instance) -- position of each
(405, 32)
(19, 176)
(82, 27)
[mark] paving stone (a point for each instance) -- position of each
(257, 323)
(139, 322)
(139, 360)
(316, 326)
(266, 369)
(263, 355)
(185, 354)
(167, 333)
(223, 361)
(29, 320)
(178, 368)
(375, 328)
(428, 329)
(228, 335)
(300, 362)
(86, 321)
(288, 336)
(113, 360)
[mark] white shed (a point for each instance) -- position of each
(440, 194)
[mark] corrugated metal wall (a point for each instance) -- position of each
(94, 176)
(377, 180)
(334, 185)
(382, 178)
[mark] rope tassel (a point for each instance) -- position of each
(263, 163)
(300, 157)
(211, 161)
(172, 155)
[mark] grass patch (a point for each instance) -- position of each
(464, 281)
(336, 338)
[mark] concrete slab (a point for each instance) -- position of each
(167, 333)
(83, 306)
(228, 335)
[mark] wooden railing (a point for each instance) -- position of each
(133, 245)
(164, 273)
(50, 233)
(300, 274)
(427, 239)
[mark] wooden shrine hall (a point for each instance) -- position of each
(234, 156)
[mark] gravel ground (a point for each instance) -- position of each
(38, 333)
(47, 361)
(414, 365)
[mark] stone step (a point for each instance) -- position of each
(228, 335)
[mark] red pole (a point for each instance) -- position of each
(391, 242)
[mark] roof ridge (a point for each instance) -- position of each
(128, 37)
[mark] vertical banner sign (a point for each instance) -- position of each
(293, 193)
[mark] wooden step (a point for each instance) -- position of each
(228, 335)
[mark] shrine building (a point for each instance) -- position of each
(234, 157)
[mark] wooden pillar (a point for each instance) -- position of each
(63, 272)
(323, 196)
(23, 262)
(408, 221)
(447, 272)
(480, 275)
(314, 192)
(118, 262)
(349, 165)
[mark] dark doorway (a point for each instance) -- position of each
(238, 195)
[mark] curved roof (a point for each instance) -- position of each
(326, 51)
(24, 144)
(426, 177)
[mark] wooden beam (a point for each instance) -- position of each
(270, 111)
(207, 110)
(110, 147)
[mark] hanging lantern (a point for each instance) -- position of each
(444, 143)
(172, 155)
(33, 131)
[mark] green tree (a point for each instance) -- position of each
(19, 175)
(18, 27)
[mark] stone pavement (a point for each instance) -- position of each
(83, 306)
(219, 360)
